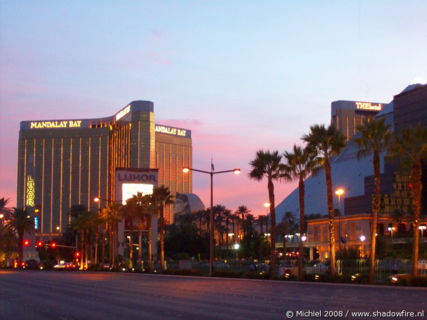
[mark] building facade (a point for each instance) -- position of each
(62, 163)
(354, 233)
(346, 116)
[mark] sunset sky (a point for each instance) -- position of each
(241, 75)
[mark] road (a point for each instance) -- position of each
(90, 295)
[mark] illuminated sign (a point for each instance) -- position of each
(172, 131)
(131, 189)
(367, 106)
(122, 113)
(30, 191)
(55, 124)
(36, 223)
(141, 177)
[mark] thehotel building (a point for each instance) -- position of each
(62, 163)
(346, 116)
(356, 177)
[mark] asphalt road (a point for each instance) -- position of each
(87, 295)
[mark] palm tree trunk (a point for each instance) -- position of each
(150, 259)
(131, 245)
(90, 246)
(226, 234)
(115, 242)
(140, 248)
(273, 228)
(110, 240)
(86, 251)
(375, 209)
(243, 228)
(82, 234)
(301, 188)
(330, 213)
(21, 247)
(96, 246)
(234, 229)
(416, 203)
(103, 246)
(162, 239)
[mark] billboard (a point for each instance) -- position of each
(130, 181)
(131, 189)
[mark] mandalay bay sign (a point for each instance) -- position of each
(55, 124)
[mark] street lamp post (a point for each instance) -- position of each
(339, 192)
(211, 219)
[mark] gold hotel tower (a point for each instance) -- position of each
(62, 163)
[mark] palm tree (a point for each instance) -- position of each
(135, 210)
(286, 226)
(227, 218)
(21, 222)
(3, 206)
(242, 210)
(300, 164)
(267, 164)
(111, 216)
(96, 222)
(261, 221)
(82, 224)
(200, 215)
(235, 218)
(218, 211)
(248, 224)
(7, 241)
(410, 146)
(161, 197)
(102, 216)
(373, 138)
(327, 143)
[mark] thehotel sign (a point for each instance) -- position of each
(55, 124)
(367, 106)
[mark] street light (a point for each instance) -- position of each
(339, 192)
(211, 219)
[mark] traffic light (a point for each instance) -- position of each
(77, 255)
(26, 243)
(53, 245)
(39, 244)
